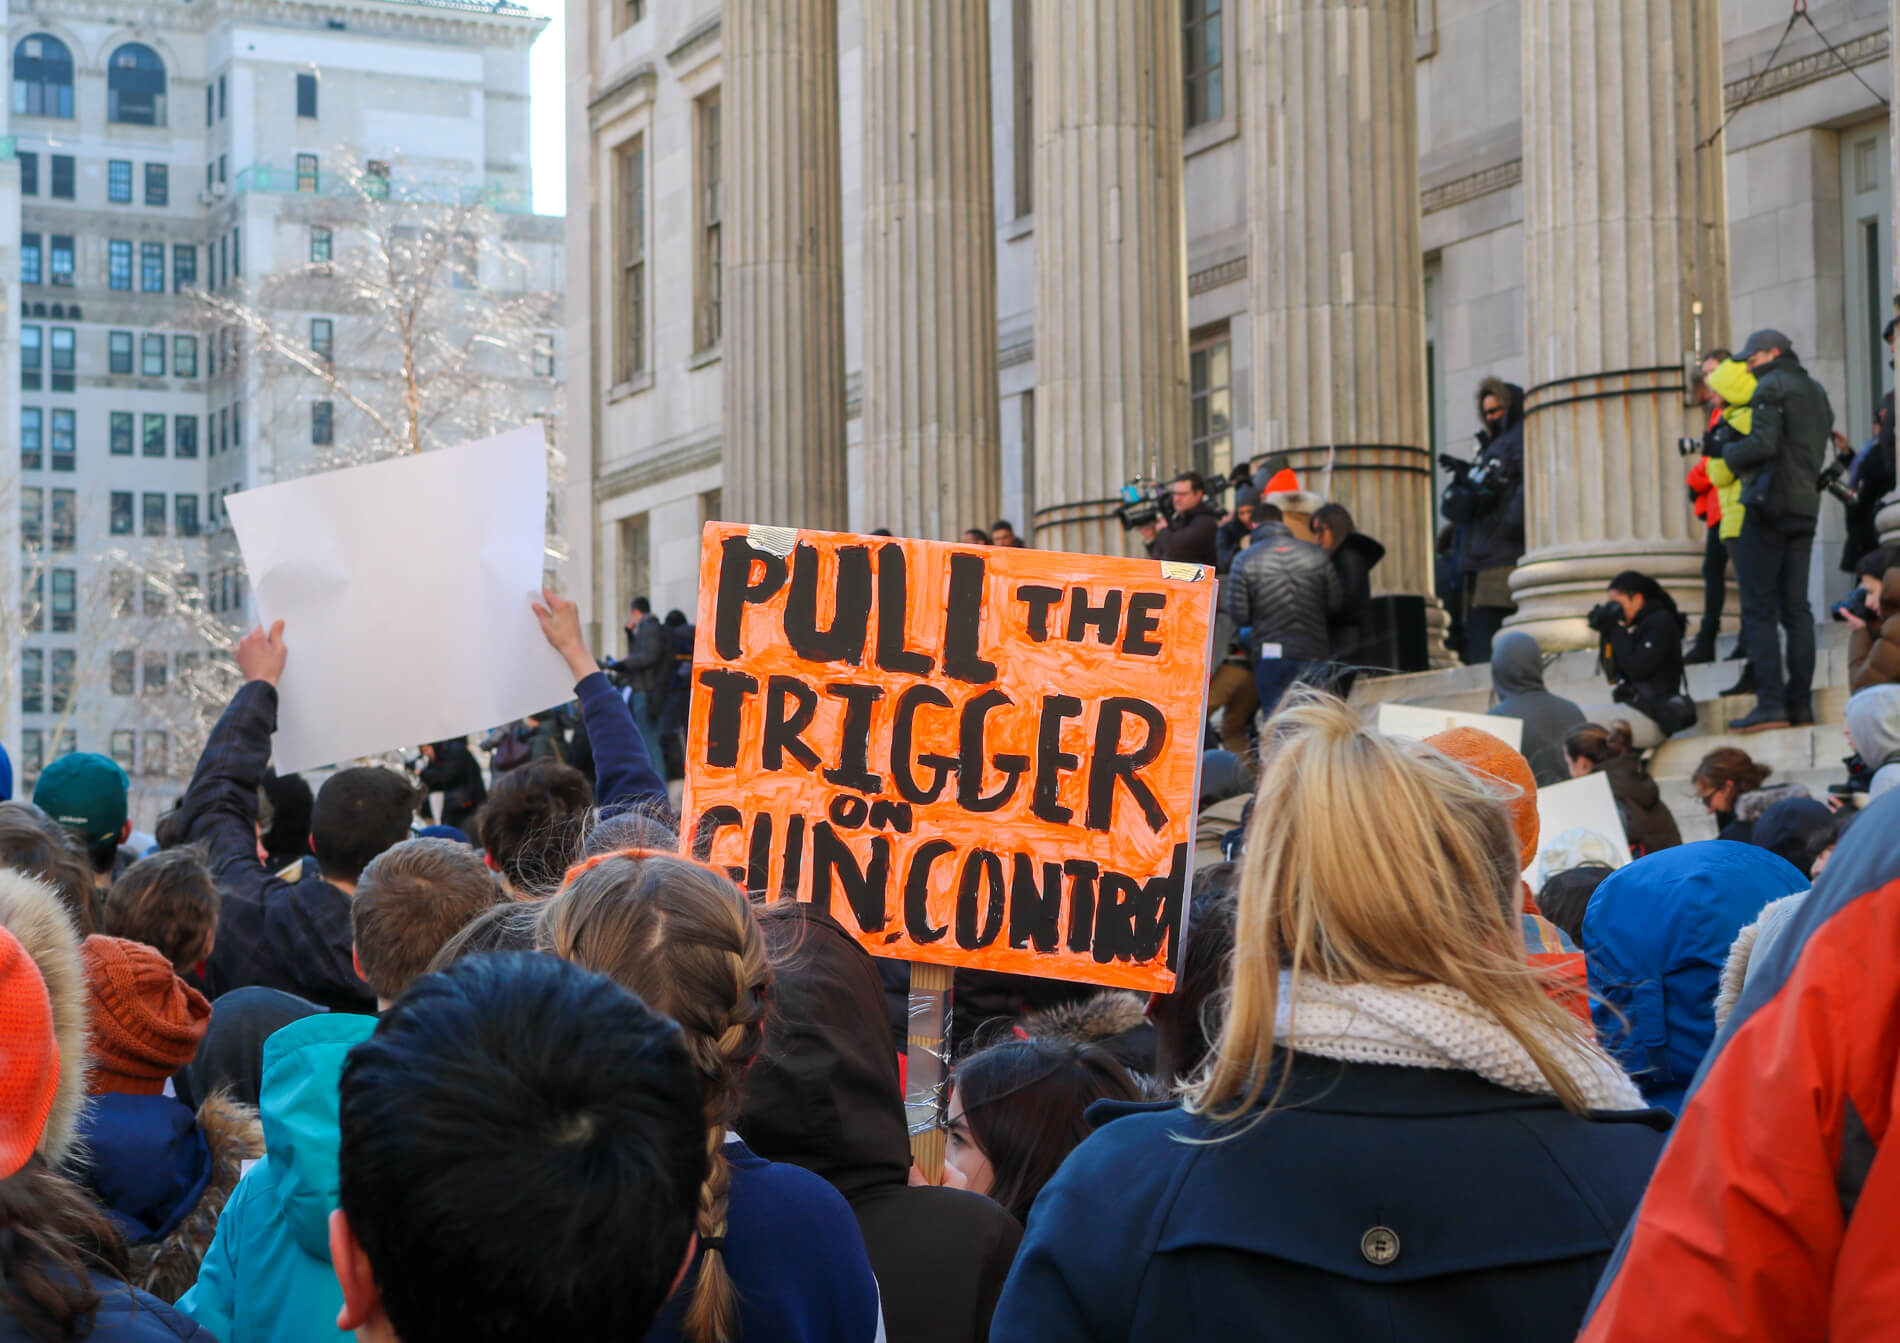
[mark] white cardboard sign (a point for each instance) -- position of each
(1578, 804)
(404, 588)
(1419, 721)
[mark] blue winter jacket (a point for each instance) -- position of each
(267, 1275)
(125, 1315)
(1655, 937)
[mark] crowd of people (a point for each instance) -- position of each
(544, 1077)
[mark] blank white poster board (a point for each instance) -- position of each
(1419, 722)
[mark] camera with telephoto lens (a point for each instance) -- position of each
(1605, 617)
(1834, 481)
(1688, 447)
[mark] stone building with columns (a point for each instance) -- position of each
(903, 263)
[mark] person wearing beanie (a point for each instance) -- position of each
(162, 1173)
(64, 1270)
(33, 914)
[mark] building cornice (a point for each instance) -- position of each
(1497, 177)
(642, 78)
(1810, 69)
(695, 38)
(386, 18)
(659, 467)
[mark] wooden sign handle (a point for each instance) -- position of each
(928, 1069)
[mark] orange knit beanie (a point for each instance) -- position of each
(29, 1055)
(1509, 774)
(146, 1021)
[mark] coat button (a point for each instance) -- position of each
(1380, 1245)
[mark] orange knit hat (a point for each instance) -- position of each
(29, 1055)
(146, 1021)
(1510, 773)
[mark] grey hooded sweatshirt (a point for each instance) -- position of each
(1517, 675)
(1873, 725)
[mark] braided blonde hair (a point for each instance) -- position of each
(684, 938)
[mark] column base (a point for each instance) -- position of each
(1556, 590)
(1887, 521)
(1087, 528)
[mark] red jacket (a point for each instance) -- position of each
(1708, 505)
(1775, 1209)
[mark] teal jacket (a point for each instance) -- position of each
(267, 1275)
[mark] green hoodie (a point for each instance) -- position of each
(267, 1275)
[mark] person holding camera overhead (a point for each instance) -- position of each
(1642, 630)
(1486, 501)
(1190, 533)
(1779, 465)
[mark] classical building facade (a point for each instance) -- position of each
(169, 154)
(863, 263)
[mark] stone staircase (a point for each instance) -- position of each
(1809, 755)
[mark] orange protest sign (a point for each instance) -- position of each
(969, 755)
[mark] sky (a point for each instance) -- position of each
(547, 90)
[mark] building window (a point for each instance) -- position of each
(220, 101)
(223, 162)
(60, 685)
(29, 258)
(153, 596)
(376, 179)
(223, 417)
(65, 520)
(122, 512)
(59, 259)
(321, 429)
(185, 514)
(636, 560)
(1210, 385)
(122, 434)
(119, 592)
(32, 516)
(152, 355)
(184, 435)
(322, 342)
(544, 354)
(33, 601)
(63, 439)
(631, 310)
(319, 246)
(156, 752)
(125, 670)
(210, 107)
(707, 325)
(62, 362)
(118, 264)
(119, 181)
(122, 741)
(29, 173)
(63, 177)
(65, 611)
(30, 356)
(627, 13)
(32, 753)
(154, 512)
(32, 680)
(306, 95)
(151, 436)
(155, 669)
(135, 86)
(30, 427)
(184, 265)
(158, 184)
(237, 256)
(306, 172)
(184, 356)
(1201, 50)
(217, 250)
(42, 77)
(237, 424)
(119, 352)
(1023, 99)
(152, 267)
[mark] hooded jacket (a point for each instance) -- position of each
(1655, 937)
(1283, 591)
(1873, 653)
(1487, 503)
(125, 1315)
(1774, 1210)
(1647, 820)
(824, 1095)
(1355, 558)
(1786, 827)
(267, 1274)
(1873, 725)
(1517, 676)
(37, 917)
(1788, 435)
(1751, 807)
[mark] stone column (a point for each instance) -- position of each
(1111, 264)
(932, 437)
(784, 263)
(1625, 234)
(1338, 274)
(1888, 519)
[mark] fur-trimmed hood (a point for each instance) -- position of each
(1114, 1019)
(1750, 806)
(168, 1266)
(1756, 938)
(31, 911)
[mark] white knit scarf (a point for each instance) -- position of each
(1432, 1026)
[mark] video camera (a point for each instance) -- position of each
(1834, 481)
(1146, 500)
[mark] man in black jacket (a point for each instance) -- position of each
(1282, 591)
(1779, 465)
(1191, 534)
(648, 669)
(1486, 502)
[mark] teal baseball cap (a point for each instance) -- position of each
(84, 792)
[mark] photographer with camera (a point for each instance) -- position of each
(1779, 465)
(1641, 647)
(1485, 499)
(1872, 611)
(1188, 531)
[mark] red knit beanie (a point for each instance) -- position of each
(146, 1021)
(29, 1055)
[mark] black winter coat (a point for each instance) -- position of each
(1190, 538)
(1646, 658)
(456, 775)
(1285, 590)
(1646, 817)
(649, 662)
(1355, 559)
(1487, 504)
(824, 1095)
(1789, 434)
(1378, 1203)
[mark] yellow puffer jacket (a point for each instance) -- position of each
(1733, 382)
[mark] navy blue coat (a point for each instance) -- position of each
(126, 1315)
(1378, 1203)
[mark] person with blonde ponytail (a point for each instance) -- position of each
(780, 1258)
(1397, 1133)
